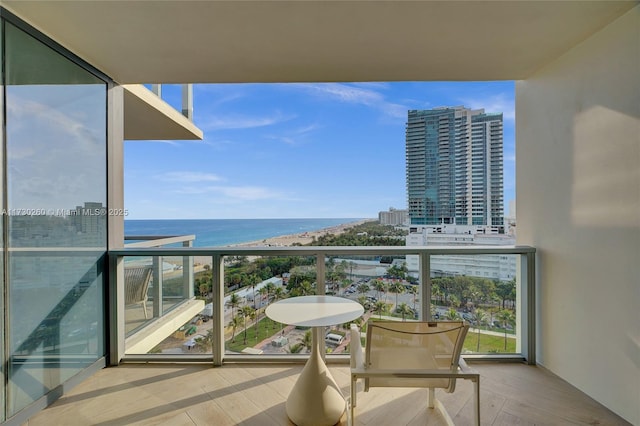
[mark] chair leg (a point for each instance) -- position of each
(431, 397)
(443, 412)
(144, 308)
(476, 400)
(354, 390)
(352, 402)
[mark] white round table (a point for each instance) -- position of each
(315, 399)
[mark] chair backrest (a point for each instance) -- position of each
(136, 284)
(420, 345)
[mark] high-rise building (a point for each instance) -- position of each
(394, 217)
(454, 167)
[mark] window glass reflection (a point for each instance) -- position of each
(56, 216)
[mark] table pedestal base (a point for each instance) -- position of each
(315, 399)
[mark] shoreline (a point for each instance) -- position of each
(300, 238)
(289, 240)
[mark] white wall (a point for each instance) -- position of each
(578, 201)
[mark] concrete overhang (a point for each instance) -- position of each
(157, 41)
(148, 117)
(145, 339)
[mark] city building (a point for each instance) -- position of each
(394, 217)
(454, 167)
(71, 74)
(494, 267)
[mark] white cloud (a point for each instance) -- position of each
(243, 122)
(294, 136)
(495, 103)
(359, 94)
(189, 177)
(248, 192)
(243, 193)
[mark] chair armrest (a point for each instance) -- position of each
(357, 357)
(414, 374)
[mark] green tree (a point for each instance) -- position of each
(254, 280)
(233, 303)
(307, 340)
(452, 315)
(507, 318)
(263, 292)
(352, 265)
(381, 288)
(381, 308)
(413, 290)
(397, 288)
(480, 317)
(364, 302)
(304, 288)
(506, 290)
(204, 289)
(399, 272)
(363, 288)
(235, 322)
(404, 310)
(247, 312)
(344, 284)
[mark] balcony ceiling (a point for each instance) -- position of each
(278, 41)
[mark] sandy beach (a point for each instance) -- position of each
(302, 238)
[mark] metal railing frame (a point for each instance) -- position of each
(526, 320)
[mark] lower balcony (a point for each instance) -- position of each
(255, 394)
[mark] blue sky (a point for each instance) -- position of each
(296, 150)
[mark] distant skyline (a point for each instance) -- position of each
(296, 150)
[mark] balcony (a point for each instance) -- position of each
(182, 386)
(255, 394)
(354, 272)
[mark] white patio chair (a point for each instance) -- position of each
(412, 354)
(136, 284)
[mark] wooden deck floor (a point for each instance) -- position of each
(241, 394)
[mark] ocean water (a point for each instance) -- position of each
(221, 232)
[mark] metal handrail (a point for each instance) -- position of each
(526, 285)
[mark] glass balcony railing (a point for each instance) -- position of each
(210, 303)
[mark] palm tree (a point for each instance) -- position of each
(413, 290)
(263, 292)
(278, 293)
(234, 323)
(351, 266)
(270, 287)
(397, 288)
(452, 315)
(233, 303)
(381, 308)
(507, 318)
(380, 287)
(204, 289)
(253, 316)
(246, 312)
(404, 310)
(364, 301)
(480, 316)
(253, 281)
(305, 288)
(307, 340)
(363, 288)
(344, 284)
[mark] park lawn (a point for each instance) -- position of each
(489, 343)
(266, 328)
